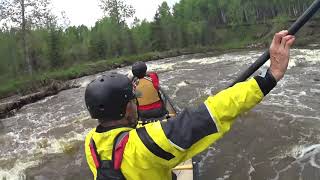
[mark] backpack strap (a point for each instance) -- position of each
(153, 77)
(118, 149)
(117, 152)
(148, 78)
(94, 153)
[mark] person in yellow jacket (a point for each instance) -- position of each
(115, 150)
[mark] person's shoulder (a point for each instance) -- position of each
(90, 134)
(152, 73)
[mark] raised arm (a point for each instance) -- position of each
(195, 129)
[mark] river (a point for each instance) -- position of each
(278, 139)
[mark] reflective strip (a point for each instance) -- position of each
(153, 146)
(190, 126)
(176, 146)
(213, 119)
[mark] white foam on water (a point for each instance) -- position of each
(30, 145)
(195, 96)
(85, 83)
(302, 93)
(50, 145)
(292, 63)
(232, 57)
(46, 99)
(178, 87)
(56, 146)
(182, 84)
(304, 56)
(208, 154)
(225, 177)
(314, 163)
(251, 170)
(286, 99)
(204, 61)
(17, 172)
(302, 151)
(314, 45)
(160, 66)
(208, 91)
(315, 90)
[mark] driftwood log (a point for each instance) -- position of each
(8, 108)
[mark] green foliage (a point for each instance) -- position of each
(54, 44)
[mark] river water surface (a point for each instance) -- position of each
(279, 139)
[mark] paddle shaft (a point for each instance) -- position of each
(295, 27)
(168, 99)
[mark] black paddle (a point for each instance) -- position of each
(295, 27)
(168, 99)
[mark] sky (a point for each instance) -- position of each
(87, 12)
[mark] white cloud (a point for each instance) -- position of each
(87, 12)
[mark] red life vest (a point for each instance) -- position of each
(110, 169)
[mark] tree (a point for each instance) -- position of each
(26, 14)
(117, 10)
(163, 28)
(142, 36)
(9, 54)
(54, 44)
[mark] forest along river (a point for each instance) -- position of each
(279, 139)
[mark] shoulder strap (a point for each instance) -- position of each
(117, 152)
(153, 77)
(118, 149)
(148, 78)
(94, 153)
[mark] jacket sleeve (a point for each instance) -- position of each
(195, 129)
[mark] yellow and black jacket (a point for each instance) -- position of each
(153, 150)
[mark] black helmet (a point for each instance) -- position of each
(139, 69)
(107, 97)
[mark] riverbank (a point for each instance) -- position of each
(30, 84)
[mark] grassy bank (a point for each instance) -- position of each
(28, 84)
(231, 38)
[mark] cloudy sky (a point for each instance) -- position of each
(87, 11)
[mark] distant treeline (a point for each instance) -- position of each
(189, 23)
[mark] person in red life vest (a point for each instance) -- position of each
(150, 104)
